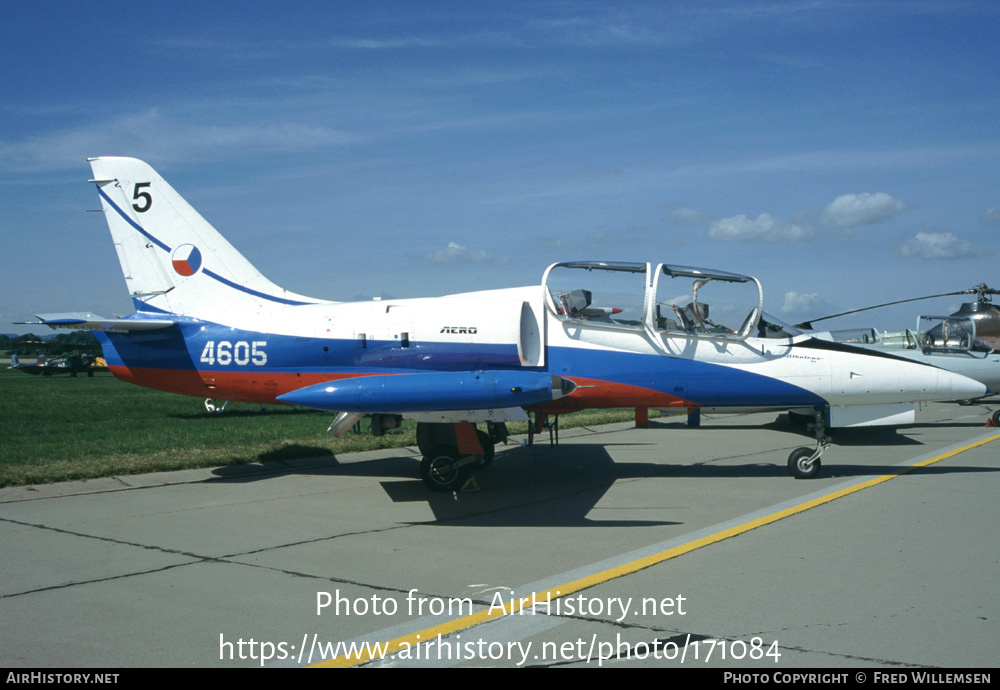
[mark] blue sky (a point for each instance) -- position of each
(844, 153)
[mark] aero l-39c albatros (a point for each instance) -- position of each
(591, 335)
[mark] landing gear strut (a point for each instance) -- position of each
(804, 463)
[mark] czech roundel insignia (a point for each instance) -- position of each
(186, 259)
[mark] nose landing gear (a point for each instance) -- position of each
(804, 463)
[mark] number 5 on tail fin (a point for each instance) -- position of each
(174, 261)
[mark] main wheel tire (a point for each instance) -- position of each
(433, 434)
(798, 466)
(439, 472)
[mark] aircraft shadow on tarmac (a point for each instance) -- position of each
(862, 436)
(540, 487)
(856, 436)
(561, 486)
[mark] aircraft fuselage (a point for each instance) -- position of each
(610, 367)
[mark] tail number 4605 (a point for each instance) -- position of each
(225, 352)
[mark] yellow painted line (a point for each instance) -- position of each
(411, 640)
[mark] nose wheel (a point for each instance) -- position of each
(804, 463)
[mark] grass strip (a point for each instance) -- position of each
(61, 428)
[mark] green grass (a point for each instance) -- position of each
(61, 428)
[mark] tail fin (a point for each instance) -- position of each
(174, 261)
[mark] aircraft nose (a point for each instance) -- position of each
(961, 387)
(880, 378)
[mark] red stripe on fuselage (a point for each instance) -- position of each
(594, 393)
(264, 387)
(237, 386)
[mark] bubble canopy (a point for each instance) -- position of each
(664, 299)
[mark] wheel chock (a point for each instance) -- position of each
(471, 485)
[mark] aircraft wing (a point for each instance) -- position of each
(85, 321)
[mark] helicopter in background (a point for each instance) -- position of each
(984, 315)
(965, 342)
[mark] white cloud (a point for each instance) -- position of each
(937, 245)
(162, 139)
(555, 242)
(455, 253)
(804, 304)
(741, 228)
(764, 229)
(389, 44)
(689, 215)
(852, 210)
(795, 233)
(992, 213)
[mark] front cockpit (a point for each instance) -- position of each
(771, 326)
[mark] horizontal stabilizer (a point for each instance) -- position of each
(446, 390)
(85, 321)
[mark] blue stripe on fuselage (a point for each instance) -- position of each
(204, 346)
(704, 383)
(185, 347)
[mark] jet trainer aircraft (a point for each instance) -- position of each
(593, 334)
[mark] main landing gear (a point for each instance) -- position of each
(444, 469)
(804, 463)
(453, 451)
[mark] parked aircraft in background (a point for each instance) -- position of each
(73, 365)
(591, 335)
(82, 360)
(985, 316)
(964, 342)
